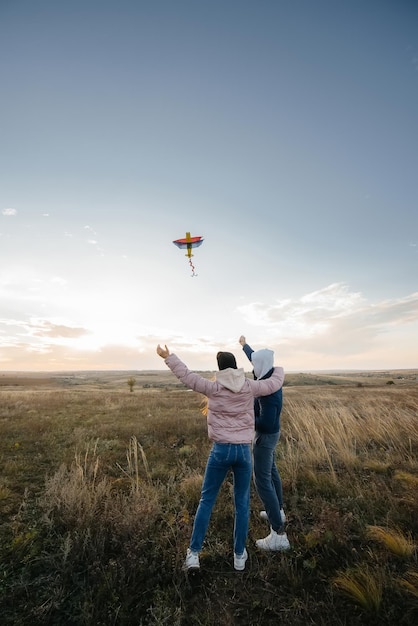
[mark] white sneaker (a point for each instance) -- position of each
(239, 561)
(264, 515)
(273, 541)
(192, 560)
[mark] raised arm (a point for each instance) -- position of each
(180, 370)
(247, 349)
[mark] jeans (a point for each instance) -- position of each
(267, 478)
(222, 458)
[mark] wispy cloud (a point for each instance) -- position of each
(309, 315)
(333, 327)
(93, 240)
(9, 212)
(23, 284)
(38, 328)
(333, 320)
(48, 329)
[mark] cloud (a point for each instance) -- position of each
(9, 212)
(331, 328)
(58, 280)
(48, 329)
(309, 315)
(94, 241)
(15, 329)
(56, 357)
(333, 320)
(24, 284)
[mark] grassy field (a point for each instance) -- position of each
(99, 485)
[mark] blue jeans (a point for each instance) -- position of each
(222, 458)
(267, 478)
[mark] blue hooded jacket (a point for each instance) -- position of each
(268, 408)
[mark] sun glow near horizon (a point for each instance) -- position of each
(327, 329)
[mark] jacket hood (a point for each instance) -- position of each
(262, 361)
(232, 379)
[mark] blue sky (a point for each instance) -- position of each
(283, 132)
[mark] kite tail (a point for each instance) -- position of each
(193, 268)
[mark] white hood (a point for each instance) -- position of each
(231, 378)
(262, 361)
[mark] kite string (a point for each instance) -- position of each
(193, 268)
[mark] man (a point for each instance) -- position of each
(267, 432)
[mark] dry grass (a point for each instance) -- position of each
(410, 583)
(362, 586)
(99, 488)
(393, 540)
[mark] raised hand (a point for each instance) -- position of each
(163, 352)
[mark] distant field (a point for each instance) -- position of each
(99, 486)
(159, 378)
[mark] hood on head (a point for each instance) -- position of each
(263, 362)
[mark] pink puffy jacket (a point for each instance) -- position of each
(230, 399)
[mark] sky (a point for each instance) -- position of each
(283, 132)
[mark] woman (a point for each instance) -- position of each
(267, 433)
(230, 419)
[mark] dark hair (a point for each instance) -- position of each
(225, 360)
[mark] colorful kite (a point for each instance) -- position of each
(189, 243)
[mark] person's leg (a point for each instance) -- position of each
(264, 463)
(277, 481)
(216, 469)
(242, 470)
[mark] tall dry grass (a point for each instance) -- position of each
(346, 427)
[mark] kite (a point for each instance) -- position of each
(189, 243)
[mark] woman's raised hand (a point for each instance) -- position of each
(163, 352)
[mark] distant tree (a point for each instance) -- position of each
(131, 383)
